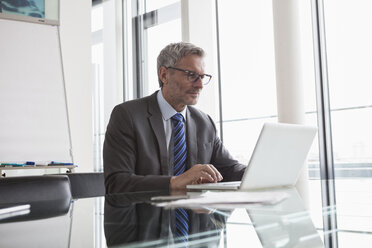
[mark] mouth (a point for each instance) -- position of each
(194, 93)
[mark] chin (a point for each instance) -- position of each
(192, 102)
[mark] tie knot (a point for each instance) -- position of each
(177, 117)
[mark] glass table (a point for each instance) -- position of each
(132, 220)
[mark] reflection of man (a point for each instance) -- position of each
(161, 142)
(131, 218)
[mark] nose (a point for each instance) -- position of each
(198, 83)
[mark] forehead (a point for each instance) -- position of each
(192, 62)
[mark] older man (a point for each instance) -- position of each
(161, 142)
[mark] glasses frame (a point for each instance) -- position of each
(201, 76)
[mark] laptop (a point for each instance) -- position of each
(276, 161)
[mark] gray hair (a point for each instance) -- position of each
(174, 52)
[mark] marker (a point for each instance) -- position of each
(12, 164)
(60, 163)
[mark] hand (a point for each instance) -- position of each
(199, 173)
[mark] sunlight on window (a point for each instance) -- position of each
(157, 38)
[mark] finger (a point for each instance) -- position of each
(217, 173)
(206, 176)
(208, 168)
(201, 169)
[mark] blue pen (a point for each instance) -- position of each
(60, 163)
(18, 165)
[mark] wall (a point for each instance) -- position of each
(75, 17)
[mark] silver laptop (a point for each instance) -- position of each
(277, 159)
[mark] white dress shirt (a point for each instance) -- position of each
(167, 112)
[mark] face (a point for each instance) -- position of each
(177, 90)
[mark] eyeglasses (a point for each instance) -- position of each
(194, 76)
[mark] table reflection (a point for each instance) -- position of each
(132, 218)
(287, 224)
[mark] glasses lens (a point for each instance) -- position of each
(206, 79)
(191, 76)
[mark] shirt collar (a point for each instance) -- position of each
(166, 109)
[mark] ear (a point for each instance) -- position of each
(163, 75)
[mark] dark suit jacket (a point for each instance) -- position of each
(135, 155)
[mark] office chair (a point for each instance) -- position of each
(47, 196)
(86, 184)
(48, 223)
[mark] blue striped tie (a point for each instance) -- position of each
(180, 152)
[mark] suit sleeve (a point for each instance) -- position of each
(230, 169)
(120, 153)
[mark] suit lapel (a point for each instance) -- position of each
(192, 146)
(156, 122)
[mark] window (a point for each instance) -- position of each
(349, 54)
(157, 38)
(151, 5)
(248, 81)
(247, 73)
(107, 79)
(108, 86)
(155, 28)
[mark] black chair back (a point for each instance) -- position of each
(47, 195)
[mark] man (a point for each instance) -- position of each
(160, 142)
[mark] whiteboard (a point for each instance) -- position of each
(33, 113)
